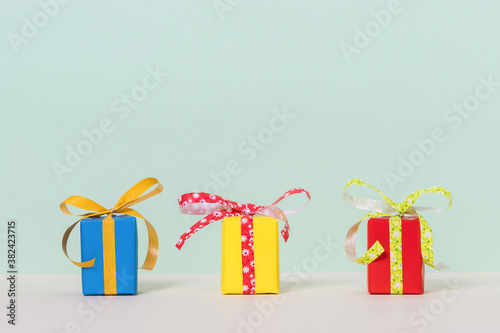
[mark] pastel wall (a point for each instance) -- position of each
(249, 99)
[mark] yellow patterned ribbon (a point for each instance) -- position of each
(128, 199)
(389, 207)
(396, 262)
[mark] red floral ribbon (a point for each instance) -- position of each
(247, 255)
(219, 208)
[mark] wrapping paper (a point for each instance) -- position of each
(254, 271)
(125, 255)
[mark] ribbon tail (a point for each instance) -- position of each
(153, 244)
(209, 219)
(89, 263)
(277, 213)
(153, 247)
(350, 245)
(428, 245)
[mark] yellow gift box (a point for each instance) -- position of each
(250, 249)
(266, 255)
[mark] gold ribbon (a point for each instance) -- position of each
(128, 199)
(389, 207)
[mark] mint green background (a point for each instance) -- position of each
(352, 119)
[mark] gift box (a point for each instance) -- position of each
(109, 241)
(400, 241)
(236, 262)
(125, 271)
(250, 248)
(406, 253)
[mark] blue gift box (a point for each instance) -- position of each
(126, 255)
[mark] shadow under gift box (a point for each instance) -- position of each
(379, 271)
(266, 255)
(126, 255)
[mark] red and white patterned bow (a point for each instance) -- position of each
(218, 208)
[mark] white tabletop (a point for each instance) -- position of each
(453, 302)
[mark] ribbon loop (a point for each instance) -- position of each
(82, 203)
(218, 208)
(398, 210)
(133, 196)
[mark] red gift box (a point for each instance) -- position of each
(379, 271)
(399, 241)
